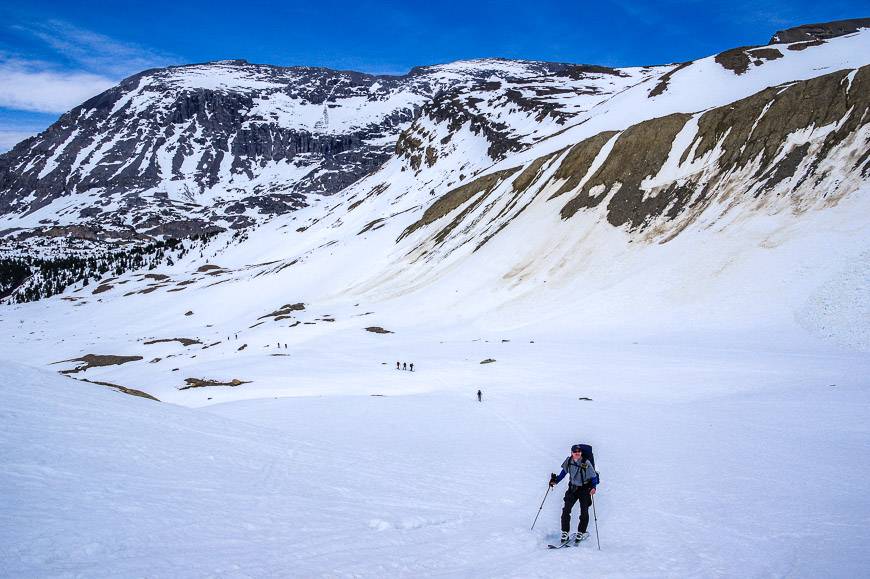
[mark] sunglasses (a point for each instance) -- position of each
(576, 452)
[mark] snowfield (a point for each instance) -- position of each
(713, 463)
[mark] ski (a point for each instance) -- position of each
(573, 542)
(560, 545)
(563, 543)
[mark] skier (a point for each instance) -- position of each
(480, 399)
(581, 486)
(397, 366)
(404, 365)
(412, 366)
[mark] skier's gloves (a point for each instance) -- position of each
(552, 479)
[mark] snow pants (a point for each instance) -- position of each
(572, 495)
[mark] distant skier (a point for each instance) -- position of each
(404, 365)
(412, 366)
(581, 486)
(479, 396)
(397, 366)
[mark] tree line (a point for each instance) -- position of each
(31, 278)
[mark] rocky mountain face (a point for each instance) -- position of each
(447, 159)
(778, 128)
(199, 148)
(791, 147)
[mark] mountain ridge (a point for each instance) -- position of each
(479, 124)
(290, 113)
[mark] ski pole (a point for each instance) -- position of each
(541, 507)
(595, 516)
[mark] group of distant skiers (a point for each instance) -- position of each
(404, 366)
(278, 344)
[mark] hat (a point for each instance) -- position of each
(576, 448)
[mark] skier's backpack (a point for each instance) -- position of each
(587, 453)
(590, 456)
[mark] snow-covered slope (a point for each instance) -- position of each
(744, 221)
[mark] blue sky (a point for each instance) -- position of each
(54, 55)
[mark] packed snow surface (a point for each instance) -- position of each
(714, 462)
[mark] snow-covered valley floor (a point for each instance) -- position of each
(714, 462)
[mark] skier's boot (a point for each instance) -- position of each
(580, 537)
(565, 538)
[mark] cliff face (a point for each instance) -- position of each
(226, 138)
(229, 142)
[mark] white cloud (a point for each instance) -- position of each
(30, 86)
(87, 63)
(97, 53)
(9, 139)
